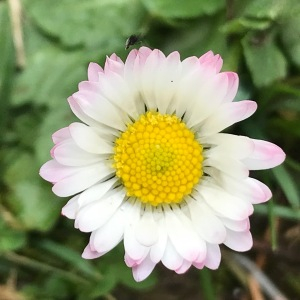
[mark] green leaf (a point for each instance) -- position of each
(7, 65)
(56, 73)
(11, 239)
(290, 36)
(56, 287)
(242, 25)
(289, 129)
(288, 185)
(264, 59)
(32, 202)
(72, 257)
(201, 36)
(269, 9)
(101, 24)
(183, 9)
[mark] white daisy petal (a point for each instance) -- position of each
(247, 188)
(262, 192)
(228, 165)
(171, 259)
(239, 241)
(88, 253)
(69, 154)
(236, 146)
(121, 97)
(223, 203)
(227, 115)
(133, 248)
(182, 234)
(80, 114)
(213, 257)
(114, 64)
(146, 232)
(93, 71)
(215, 91)
(111, 233)
(61, 135)
(149, 76)
(71, 208)
(235, 225)
(208, 226)
(54, 172)
(97, 107)
(266, 155)
(209, 60)
(87, 139)
(166, 83)
(233, 83)
(143, 270)
(96, 214)
(96, 192)
(81, 180)
(158, 249)
(184, 267)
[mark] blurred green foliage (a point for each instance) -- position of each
(259, 39)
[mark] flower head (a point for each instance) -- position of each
(150, 166)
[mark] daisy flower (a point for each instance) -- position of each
(149, 166)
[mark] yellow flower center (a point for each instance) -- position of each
(158, 159)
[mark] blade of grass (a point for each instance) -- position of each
(288, 185)
(207, 285)
(279, 211)
(272, 217)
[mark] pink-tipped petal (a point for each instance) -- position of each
(81, 180)
(213, 257)
(53, 172)
(88, 253)
(88, 139)
(266, 155)
(143, 270)
(184, 267)
(209, 60)
(261, 192)
(227, 115)
(98, 213)
(233, 84)
(238, 241)
(114, 64)
(171, 259)
(93, 71)
(71, 208)
(61, 135)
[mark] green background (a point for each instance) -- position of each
(39, 249)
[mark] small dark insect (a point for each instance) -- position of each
(132, 40)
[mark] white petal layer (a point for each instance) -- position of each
(97, 213)
(223, 203)
(227, 115)
(111, 233)
(208, 226)
(71, 208)
(143, 270)
(213, 257)
(239, 241)
(266, 155)
(81, 180)
(182, 234)
(87, 139)
(133, 248)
